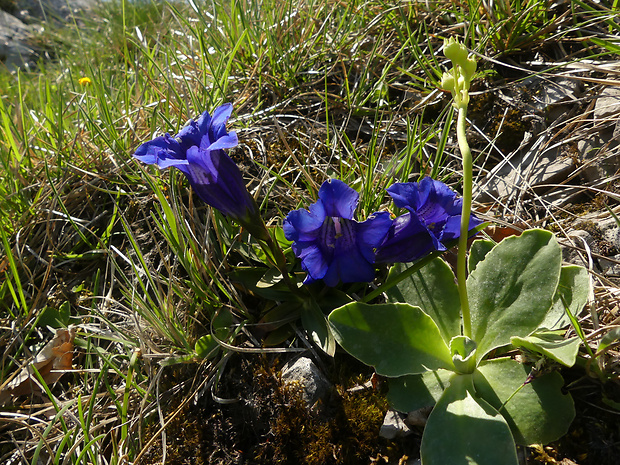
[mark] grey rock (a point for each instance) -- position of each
(542, 159)
(561, 89)
(394, 426)
(608, 103)
(48, 10)
(610, 231)
(573, 248)
(419, 417)
(545, 92)
(14, 34)
(599, 150)
(305, 373)
(597, 249)
(600, 154)
(549, 98)
(527, 169)
(610, 266)
(558, 94)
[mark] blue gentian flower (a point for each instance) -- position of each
(432, 220)
(331, 244)
(198, 151)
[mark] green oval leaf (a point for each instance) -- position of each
(478, 250)
(413, 392)
(206, 347)
(538, 413)
(463, 429)
(397, 339)
(571, 295)
(421, 290)
(512, 289)
(551, 345)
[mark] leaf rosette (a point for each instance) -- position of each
(519, 292)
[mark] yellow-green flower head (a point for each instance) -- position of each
(458, 79)
(469, 68)
(85, 81)
(455, 52)
(447, 82)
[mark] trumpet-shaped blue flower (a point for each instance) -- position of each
(433, 219)
(198, 151)
(331, 244)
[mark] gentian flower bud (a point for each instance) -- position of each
(198, 152)
(447, 82)
(331, 244)
(454, 51)
(433, 218)
(469, 67)
(458, 80)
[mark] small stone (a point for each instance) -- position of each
(598, 152)
(611, 267)
(573, 247)
(610, 231)
(559, 94)
(608, 103)
(306, 374)
(526, 169)
(419, 417)
(560, 90)
(18, 31)
(14, 34)
(394, 426)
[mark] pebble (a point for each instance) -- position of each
(17, 30)
(394, 426)
(304, 372)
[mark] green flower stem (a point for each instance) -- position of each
(279, 260)
(461, 263)
(457, 81)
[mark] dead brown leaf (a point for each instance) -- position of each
(51, 362)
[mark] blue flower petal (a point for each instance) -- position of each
(189, 136)
(313, 260)
(218, 182)
(371, 233)
(204, 122)
(219, 119)
(404, 194)
(303, 225)
(162, 151)
(224, 142)
(339, 199)
(433, 218)
(349, 266)
(452, 228)
(197, 150)
(350, 263)
(331, 244)
(407, 240)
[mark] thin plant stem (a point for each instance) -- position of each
(457, 81)
(461, 263)
(279, 260)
